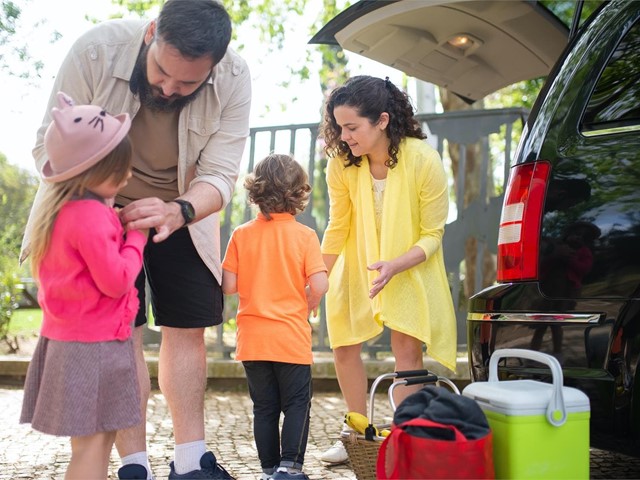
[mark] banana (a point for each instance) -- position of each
(360, 423)
(385, 432)
(356, 421)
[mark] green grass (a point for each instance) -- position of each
(25, 321)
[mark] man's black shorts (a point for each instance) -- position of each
(184, 292)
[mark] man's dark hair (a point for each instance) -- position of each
(196, 28)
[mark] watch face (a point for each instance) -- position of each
(187, 210)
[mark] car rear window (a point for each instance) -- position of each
(615, 102)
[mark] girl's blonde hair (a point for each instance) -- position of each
(115, 167)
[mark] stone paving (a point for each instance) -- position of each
(26, 454)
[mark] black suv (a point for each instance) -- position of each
(569, 236)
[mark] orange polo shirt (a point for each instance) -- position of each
(273, 260)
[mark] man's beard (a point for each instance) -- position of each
(149, 95)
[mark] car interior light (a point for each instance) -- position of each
(464, 42)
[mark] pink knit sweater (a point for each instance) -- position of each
(87, 276)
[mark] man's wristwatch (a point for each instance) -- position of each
(187, 210)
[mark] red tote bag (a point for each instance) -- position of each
(406, 456)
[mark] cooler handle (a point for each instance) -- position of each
(556, 403)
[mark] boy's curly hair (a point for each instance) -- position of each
(278, 184)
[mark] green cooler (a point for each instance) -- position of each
(540, 430)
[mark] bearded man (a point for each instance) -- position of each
(189, 98)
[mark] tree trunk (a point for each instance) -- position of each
(472, 183)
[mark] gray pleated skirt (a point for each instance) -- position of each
(76, 388)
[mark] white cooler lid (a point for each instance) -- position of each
(523, 397)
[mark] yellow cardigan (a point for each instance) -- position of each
(416, 302)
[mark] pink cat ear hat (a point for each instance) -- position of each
(79, 137)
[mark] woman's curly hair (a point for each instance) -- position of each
(278, 184)
(370, 96)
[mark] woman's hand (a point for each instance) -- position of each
(388, 268)
(385, 271)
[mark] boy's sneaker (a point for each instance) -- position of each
(132, 471)
(210, 469)
(283, 474)
(336, 454)
(268, 476)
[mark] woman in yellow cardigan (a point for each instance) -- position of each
(389, 202)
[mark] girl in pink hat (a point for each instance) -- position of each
(81, 380)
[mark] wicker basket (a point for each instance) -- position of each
(363, 454)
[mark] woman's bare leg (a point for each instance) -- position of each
(352, 377)
(407, 351)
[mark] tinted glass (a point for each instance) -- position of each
(614, 102)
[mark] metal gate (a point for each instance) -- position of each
(491, 132)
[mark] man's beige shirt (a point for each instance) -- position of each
(212, 130)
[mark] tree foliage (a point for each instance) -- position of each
(9, 15)
(16, 58)
(270, 20)
(17, 189)
(270, 17)
(565, 9)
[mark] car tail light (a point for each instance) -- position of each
(519, 234)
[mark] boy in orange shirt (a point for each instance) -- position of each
(275, 265)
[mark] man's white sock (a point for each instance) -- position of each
(139, 458)
(187, 456)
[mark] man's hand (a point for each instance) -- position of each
(165, 217)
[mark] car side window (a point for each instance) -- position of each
(614, 105)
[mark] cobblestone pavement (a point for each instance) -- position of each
(26, 454)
